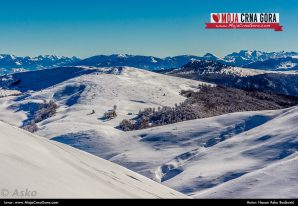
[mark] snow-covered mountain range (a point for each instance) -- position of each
(143, 62)
(228, 156)
(12, 64)
(245, 57)
(240, 59)
(250, 59)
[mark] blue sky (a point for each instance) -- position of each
(151, 27)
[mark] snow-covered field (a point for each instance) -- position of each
(214, 157)
(48, 169)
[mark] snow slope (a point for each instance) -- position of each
(239, 154)
(193, 157)
(55, 170)
(277, 180)
(206, 153)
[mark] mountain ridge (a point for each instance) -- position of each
(243, 58)
(11, 63)
(280, 82)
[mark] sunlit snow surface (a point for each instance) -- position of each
(52, 170)
(224, 156)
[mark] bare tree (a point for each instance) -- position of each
(111, 114)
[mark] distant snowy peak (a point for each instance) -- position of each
(53, 58)
(7, 56)
(9, 63)
(209, 56)
(245, 57)
(153, 60)
(122, 55)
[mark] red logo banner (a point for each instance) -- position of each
(244, 21)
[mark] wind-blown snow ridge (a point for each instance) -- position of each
(55, 170)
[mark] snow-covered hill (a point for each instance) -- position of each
(233, 153)
(207, 67)
(191, 156)
(281, 82)
(52, 170)
(79, 90)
